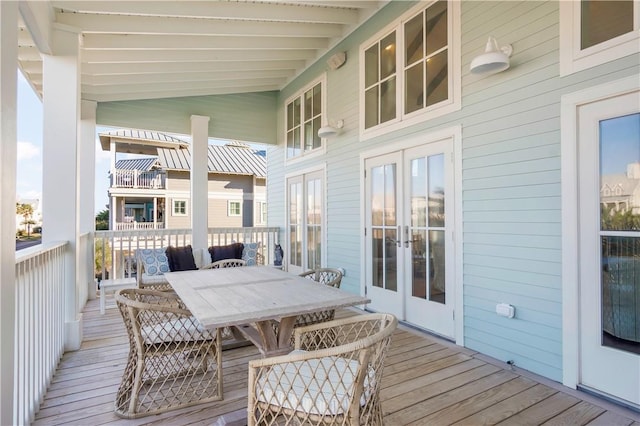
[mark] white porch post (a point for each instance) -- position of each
(87, 190)
(60, 194)
(199, 181)
(8, 149)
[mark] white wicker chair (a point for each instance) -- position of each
(226, 263)
(333, 376)
(327, 276)
(173, 361)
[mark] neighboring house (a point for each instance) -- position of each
(465, 203)
(154, 192)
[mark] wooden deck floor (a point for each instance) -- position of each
(427, 381)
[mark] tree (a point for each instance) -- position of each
(102, 220)
(26, 211)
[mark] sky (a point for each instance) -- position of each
(29, 167)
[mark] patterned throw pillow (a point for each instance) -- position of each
(155, 261)
(250, 252)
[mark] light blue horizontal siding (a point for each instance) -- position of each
(511, 170)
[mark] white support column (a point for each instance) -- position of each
(60, 195)
(8, 153)
(199, 181)
(87, 190)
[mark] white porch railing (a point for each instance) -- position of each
(40, 324)
(115, 250)
(127, 226)
(138, 179)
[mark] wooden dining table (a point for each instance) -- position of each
(250, 298)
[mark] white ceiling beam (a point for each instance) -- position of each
(218, 10)
(97, 80)
(164, 67)
(144, 42)
(29, 53)
(179, 86)
(105, 56)
(38, 18)
(90, 23)
(132, 96)
(353, 4)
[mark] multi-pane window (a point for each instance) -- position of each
(262, 213)
(304, 118)
(179, 207)
(380, 81)
(235, 208)
(425, 58)
(423, 81)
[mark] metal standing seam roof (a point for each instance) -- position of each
(226, 159)
(137, 134)
(140, 164)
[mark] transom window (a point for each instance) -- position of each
(408, 71)
(179, 207)
(594, 32)
(304, 116)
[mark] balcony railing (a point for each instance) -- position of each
(138, 179)
(115, 250)
(128, 226)
(39, 325)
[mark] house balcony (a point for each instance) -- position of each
(134, 225)
(427, 380)
(138, 179)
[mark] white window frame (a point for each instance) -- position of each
(302, 174)
(322, 80)
(454, 103)
(231, 202)
(573, 59)
(173, 207)
(262, 213)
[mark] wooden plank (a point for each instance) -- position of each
(609, 418)
(542, 411)
(477, 402)
(579, 414)
(425, 381)
(509, 406)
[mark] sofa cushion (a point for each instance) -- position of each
(231, 251)
(180, 258)
(250, 252)
(154, 261)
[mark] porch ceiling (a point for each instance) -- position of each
(161, 49)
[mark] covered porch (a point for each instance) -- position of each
(427, 380)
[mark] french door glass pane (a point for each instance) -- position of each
(436, 190)
(384, 233)
(436, 267)
(419, 263)
(295, 220)
(418, 200)
(437, 78)
(620, 214)
(604, 20)
(418, 193)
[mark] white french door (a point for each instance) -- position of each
(305, 222)
(409, 235)
(609, 244)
